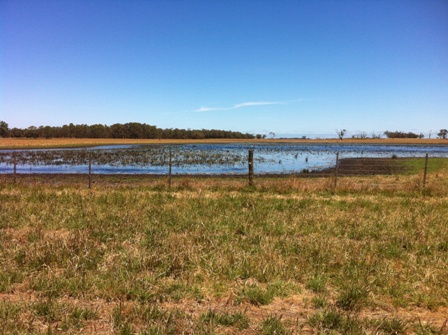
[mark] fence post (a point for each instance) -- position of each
(251, 167)
(425, 171)
(170, 169)
(15, 169)
(90, 171)
(336, 171)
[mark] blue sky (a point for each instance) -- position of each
(289, 67)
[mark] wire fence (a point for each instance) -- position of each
(379, 173)
(326, 171)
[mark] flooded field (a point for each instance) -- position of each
(202, 158)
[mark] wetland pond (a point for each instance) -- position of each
(278, 158)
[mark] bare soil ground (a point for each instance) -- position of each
(368, 166)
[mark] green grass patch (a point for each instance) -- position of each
(417, 165)
(273, 325)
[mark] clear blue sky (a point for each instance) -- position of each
(289, 67)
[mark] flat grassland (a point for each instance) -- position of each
(213, 256)
(11, 143)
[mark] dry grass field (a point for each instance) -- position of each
(6, 143)
(210, 255)
(213, 256)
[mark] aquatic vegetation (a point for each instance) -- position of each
(202, 158)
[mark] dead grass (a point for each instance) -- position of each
(288, 255)
(8, 143)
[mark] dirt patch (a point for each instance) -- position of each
(365, 167)
(371, 166)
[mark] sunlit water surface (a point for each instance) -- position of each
(201, 158)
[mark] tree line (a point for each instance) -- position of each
(137, 130)
(443, 133)
(132, 130)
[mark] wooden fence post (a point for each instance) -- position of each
(336, 171)
(170, 169)
(425, 171)
(90, 171)
(15, 169)
(251, 167)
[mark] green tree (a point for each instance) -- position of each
(4, 130)
(400, 134)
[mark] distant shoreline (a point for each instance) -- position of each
(27, 143)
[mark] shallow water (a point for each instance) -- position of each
(201, 158)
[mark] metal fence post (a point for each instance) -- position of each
(251, 167)
(336, 171)
(425, 171)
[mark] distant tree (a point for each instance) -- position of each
(32, 131)
(399, 134)
(4, 130)
(341, 133)
(197, 134)
(99, 131)
(16, 132)
(443, 133)
(46, 132)
(376, 136)
(361, 135)
(118, 131)
(430, 134)
(272, 134)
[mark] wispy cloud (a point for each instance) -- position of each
(241, 105)
(208, 109)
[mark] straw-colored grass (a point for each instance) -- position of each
(6, 143)
(213, 256)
